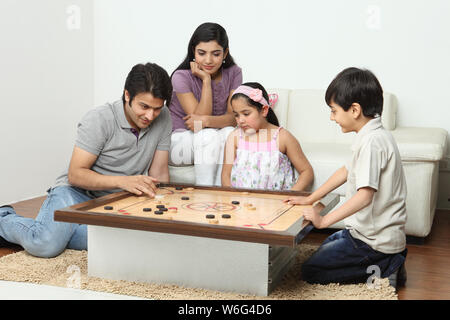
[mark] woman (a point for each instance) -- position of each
(200, 106)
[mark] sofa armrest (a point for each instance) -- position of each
(421, 144)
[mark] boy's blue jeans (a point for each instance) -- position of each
(344, 259)
(44, 237)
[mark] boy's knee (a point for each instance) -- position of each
(308, 272)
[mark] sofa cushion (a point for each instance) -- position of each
(184, 174)
(326, 158)
(308, 118)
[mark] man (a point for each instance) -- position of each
(120, 146)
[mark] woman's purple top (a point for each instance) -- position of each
(184, 81)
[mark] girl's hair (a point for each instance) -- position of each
(206, 32)
(271, 117)
(150, 78)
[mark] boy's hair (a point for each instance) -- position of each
(354, 85)
(271, 117)
(148, 78)
(206, 32)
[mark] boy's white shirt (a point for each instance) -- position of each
(376, 164)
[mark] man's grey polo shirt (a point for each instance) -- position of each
(106, 133)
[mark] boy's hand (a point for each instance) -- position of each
(313, 214)
(298, 200)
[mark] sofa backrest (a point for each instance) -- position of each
(306, 115)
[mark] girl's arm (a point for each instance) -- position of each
(229, 155)
(293, 150)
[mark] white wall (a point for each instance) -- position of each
(293, 44)
(50, 75)
(46, 85)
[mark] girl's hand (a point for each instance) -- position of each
(299, 200)
(313, 214)
(196, 71)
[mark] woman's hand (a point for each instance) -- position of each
(195, 122)
(198, 72)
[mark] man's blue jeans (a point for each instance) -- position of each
(44, 237)
(344, 259)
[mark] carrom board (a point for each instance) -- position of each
(224, 213)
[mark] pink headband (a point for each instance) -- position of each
(256, 95)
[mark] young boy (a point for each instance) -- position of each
(374, 211)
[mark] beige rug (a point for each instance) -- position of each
(70, 270)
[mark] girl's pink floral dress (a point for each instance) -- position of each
(261, 165)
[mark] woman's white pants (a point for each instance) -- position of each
(204, 150)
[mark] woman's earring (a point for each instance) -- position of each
(223, 61)
(193, 59)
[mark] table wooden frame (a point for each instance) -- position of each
(293, 235)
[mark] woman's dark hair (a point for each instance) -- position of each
(149, 78)
(271, 117)
(206, 32)
(354, 85)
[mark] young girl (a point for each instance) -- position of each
(259, 154)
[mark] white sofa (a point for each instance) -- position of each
(305, 114)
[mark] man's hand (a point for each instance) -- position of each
(138, 185)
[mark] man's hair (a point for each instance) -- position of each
(354, 85)
(148, 78)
